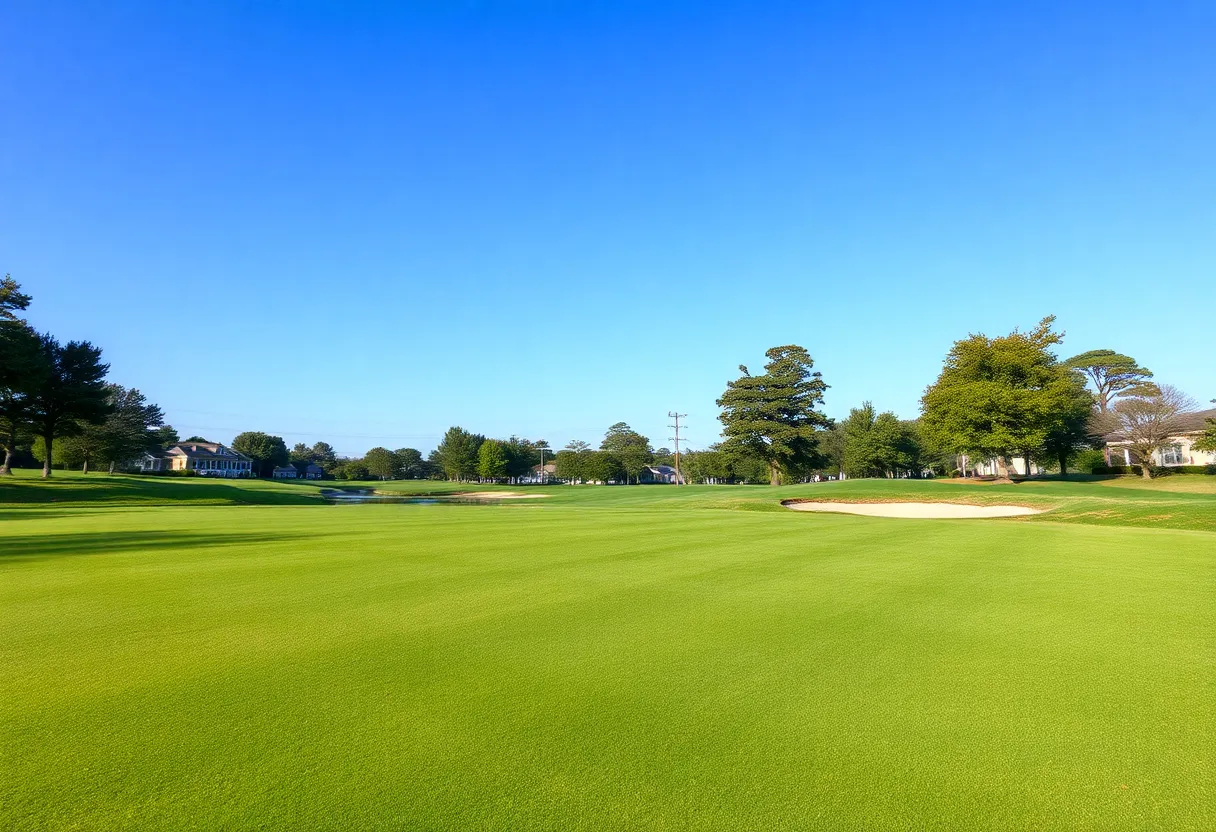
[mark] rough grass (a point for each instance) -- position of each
(606, 658)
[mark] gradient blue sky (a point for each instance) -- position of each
(364, 223)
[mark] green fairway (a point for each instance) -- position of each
(189, 654)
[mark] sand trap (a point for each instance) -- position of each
(497, 495)
(921, 510)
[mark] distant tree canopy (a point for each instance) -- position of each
(631, 449)
(878, 444)
(410, 464)
(12, 299)
(456, 455)
(491, 460)
(267, 452)
(774, 417)
(1004, 397)
(381, 463)
(1111, 375)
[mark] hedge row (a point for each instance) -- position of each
(1173, 469)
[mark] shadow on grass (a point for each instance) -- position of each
(134, 491)
(22, 548)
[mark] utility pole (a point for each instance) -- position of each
(671, 414)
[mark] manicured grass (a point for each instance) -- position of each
(604, 658)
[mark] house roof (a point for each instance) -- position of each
(313, 467)
(662, 469)
(291, 468)
(204, 450)
(1185, 423)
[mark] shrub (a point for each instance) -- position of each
(1088, 461)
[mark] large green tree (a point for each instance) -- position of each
(1111, 375)
(601, 466)
(774, 416)
(1003, 397)
(410, 464)
(130, 429)
(878, 444)
(630, 447)
(491, 460)
(457, 453)
(66, 392)
(20, 368)
(381, 463)
(267, 451)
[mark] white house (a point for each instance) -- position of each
(208, 459)
(1177, 450)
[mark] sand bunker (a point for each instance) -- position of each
(920, 510)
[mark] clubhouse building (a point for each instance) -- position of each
(207, 459)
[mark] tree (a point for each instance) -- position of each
(12, 299)
(601, 466)
(773, 417)
(1002, 397)
(1146, 422)
(20, 364)
(491, 460)
(381, 463)
(568, 465)
(1207, 442)
(457, 453)
(197, 438)
(129, 429)
(878, 444)
(267, 452)
(522, 454)
(1111, 374)
(353, 469)
(630, 448)
(66, 392)
(300, 454)
(163, 437)
(410, 464)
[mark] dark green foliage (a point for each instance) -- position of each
(491, 460)
(773, 417)
(12, 299)
(410, 464)
(1006, 397)
(1207, 440)
(67, 392)
(601, 466)
(267, 452)
(381, 463)
(522, 454)
(878, 444)
(131, 428)
(631, 449)
(568, 465)
(353, 469)
(1111, 374)
(20, 358)
(457, 453)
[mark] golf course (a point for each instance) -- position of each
(183, 653)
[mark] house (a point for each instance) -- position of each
(659, 474)
(1175, 451)
(541, 474)
(311, 471)
(207, 459)
(284, 472)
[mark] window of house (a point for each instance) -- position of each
(1171, 454)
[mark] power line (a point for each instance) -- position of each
(671, 414)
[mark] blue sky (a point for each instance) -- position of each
(364, 223)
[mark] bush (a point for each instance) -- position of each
(1173, 469)
(956, 473)
(1088, 462)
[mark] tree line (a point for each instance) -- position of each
(1001, 398)
(55, 403)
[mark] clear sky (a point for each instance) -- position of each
(367, 222)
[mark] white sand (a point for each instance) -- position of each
(497, 495)
(923, 510)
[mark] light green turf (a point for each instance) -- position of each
(604, 658)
